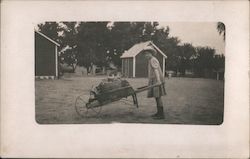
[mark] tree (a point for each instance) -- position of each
(51, 29)
(219, 62)
(69, 33)
(221, 29)
(204, 61)
(123, 35)
(120, 39)
(69, 52)
(68, 56)
(186, 53)
(90, 42)
(168, 45)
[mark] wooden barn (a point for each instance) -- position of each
(134, 63)
(46, 57)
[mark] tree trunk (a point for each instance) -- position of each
(103, 70)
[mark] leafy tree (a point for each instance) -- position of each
(69, 57)
(219, 62)
(69, 33)
(90, 42)
(186, 53)
(221, 29)
(51, 29)
(124, 35)
(169, 45)
(204, 61)
(120, 39)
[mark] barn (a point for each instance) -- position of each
(134, 63)
(46, 57)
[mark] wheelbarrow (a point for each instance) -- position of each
(84, 105)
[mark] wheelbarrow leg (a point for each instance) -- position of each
(135, 100)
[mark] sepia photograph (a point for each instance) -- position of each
(124, 79)
(129, 72)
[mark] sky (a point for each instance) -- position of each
(197, 33)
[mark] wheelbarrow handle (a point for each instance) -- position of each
(144, 88)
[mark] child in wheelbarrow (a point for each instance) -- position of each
(155, 77)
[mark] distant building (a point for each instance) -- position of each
(46, 56)
(134, 63)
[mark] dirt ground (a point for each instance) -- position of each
(188, 101)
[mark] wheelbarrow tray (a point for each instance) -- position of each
(115, 94)
(119, 93)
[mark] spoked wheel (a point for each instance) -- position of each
(84, 109)
(94, 111)
(80, 106)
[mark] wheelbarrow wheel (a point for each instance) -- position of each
(84, 110)
(80, 106)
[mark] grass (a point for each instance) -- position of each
(188, 101)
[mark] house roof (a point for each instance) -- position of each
(47, 38)
(137, 48)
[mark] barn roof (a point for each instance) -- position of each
(47, 38)
(137, 48)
